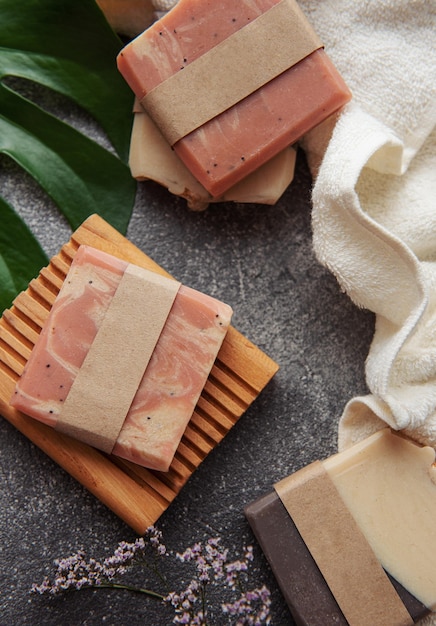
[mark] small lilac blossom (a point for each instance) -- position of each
(251, 608)
(210, 565)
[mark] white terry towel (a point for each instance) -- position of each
(374, 201)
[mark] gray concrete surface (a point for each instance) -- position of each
(259, 260)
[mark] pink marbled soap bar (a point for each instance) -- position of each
(236, 142)
(173, 380)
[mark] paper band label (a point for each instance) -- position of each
(103, 390)
(358, 582)
(231, 71)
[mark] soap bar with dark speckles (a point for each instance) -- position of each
(238, 138)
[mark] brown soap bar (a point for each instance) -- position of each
(298, 576)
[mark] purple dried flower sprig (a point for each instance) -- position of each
(75, 572)
(211, 567)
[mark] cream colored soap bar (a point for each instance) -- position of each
(351, 540)
(388, 484)
(128, 17)
(151, 158)
(162, 404)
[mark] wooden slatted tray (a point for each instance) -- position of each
(137, 495)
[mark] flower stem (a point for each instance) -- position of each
(148, 592)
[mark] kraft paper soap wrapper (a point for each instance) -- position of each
(121, 351)
(266, 47)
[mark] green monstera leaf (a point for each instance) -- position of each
(67, 47)
(21, 256)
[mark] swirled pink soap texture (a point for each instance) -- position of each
(168, 389)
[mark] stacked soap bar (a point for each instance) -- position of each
(237, 140)
(174, 376)
(151, 158)
(350, 539)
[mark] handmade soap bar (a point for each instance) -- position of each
(232, 84)
(151, 158)
(128, 17)
(94, 315)
(350, 539)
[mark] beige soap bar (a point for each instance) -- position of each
(128, 17)
(152, 158)
(388, 484)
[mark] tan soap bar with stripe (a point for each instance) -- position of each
(351, 539)
(388, 483)
(122, 359)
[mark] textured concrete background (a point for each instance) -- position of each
(259, 260)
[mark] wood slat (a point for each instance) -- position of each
(13, 342)
(23, 327)
(215, 414)
(14, 365)
(42, 294)
(51, 279)
(162, 488)
(209, 428)
(27, 306)
(232, 384)
(137, 495)
(59, 266)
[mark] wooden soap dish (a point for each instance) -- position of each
(137, 495)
